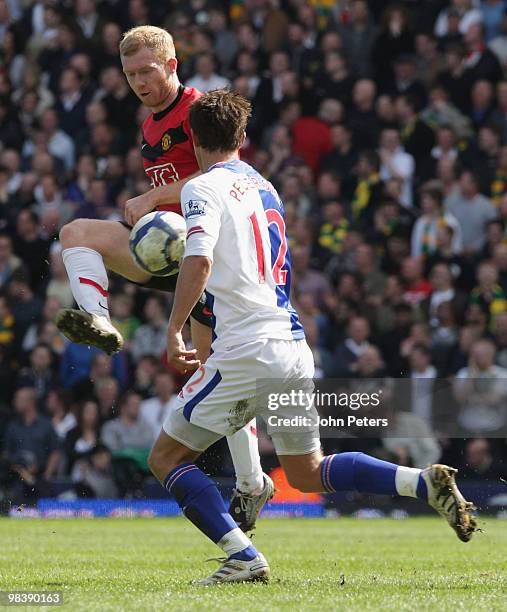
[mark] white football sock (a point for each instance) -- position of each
(88, 279)
(406, 481)
(245, 457)
(234, 542)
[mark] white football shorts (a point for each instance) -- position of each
(235, 385)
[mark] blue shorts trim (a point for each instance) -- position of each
(198, 397)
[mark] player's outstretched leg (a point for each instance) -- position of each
(88, 246)
(201, 502)
(356, 471)
(253, 487)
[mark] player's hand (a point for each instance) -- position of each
(178, 356)
(137, 207)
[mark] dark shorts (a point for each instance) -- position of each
(168, 283)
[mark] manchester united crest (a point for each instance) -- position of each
(166, 142)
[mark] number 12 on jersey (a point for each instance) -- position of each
(278, 246)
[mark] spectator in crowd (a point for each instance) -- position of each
(472, 209)
(488, 294)
(343, 157)
(107, 391)
(312, 135)
(424, 234)
(39, 375)
(84, 436)
(446, 145)
(122, 306)
(150, 338)
(417, 137)
(129, 437)
(369, 188)
(76, 365)
(411, 441)
(59, 144)
(494, 242)
(119, 101)
(370, 364)
(396, 163)
(58, 286)
(419, 333)
(417, 287)
(481, 390)
(462, 10)
(480, 462)
(205, 78)
(71, 102)
(307, 280)
(422, 379)
(96, 477)
(129, 429)
(372, 278)
(480, 63)
(395, 38)
(429, 61)
(362, 116)
(442, 291)
(348, 352)
(32, 247)
(58, 407)
(155, 409)
(358, 36)
(25, 306)
(225, 40)
(144, 376)
(31, 448)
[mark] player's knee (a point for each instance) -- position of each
(73, 234)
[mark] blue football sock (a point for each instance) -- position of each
(200, 501)
(422, 489)
(359, 472)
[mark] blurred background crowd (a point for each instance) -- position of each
(384, 128)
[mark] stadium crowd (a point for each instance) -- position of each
(384, 128)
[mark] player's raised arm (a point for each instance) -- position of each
(141, 205)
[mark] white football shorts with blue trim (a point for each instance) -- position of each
(238, 384)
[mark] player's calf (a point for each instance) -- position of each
(87, 244)
(201, 502)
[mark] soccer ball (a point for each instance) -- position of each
(157, 242)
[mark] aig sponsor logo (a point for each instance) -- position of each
(162, 174)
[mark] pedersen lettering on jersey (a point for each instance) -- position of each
(167, 148)
(235, 217)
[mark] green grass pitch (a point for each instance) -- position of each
(316, 564)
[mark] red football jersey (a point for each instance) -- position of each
(167, 148)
